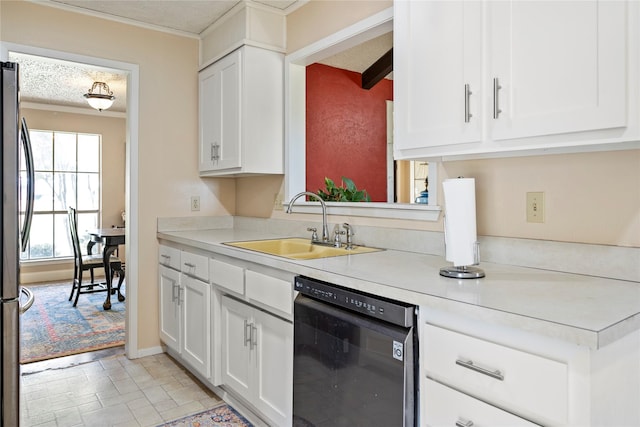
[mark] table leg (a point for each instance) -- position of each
(106, 257)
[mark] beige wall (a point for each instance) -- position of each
(113, 134)
(590, 197)
(319, 19)
(168, 123)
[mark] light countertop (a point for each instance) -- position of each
(583, 310)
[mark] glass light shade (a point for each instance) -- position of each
(100, 103)
(100, 96)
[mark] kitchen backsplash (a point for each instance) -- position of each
(614, 262)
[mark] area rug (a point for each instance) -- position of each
(52, 327)
(220, 416)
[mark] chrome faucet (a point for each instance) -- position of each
(325, 227)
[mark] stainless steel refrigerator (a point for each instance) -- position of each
(14, 232)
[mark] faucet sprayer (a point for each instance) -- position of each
(325, 228)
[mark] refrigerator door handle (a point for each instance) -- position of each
(30, 299)
(28, 155)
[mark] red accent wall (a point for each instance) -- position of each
(346, 130)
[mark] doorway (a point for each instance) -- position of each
(131, 162)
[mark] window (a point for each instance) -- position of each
(67, 173)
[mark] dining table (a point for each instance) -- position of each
(110, 238)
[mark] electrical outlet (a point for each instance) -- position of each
(195, 203)
(535, 207)
(278, 201)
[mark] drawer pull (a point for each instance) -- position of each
(495, 373)
(461, 422)
(165, 256)
(188, 264)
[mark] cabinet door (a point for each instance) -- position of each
(169, 307)
(561, 66)
(273, 360)
(437, 51)
(236, 336)
(196, 321)
(220, 90)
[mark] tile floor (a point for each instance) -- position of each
(110, 391)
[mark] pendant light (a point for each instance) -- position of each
(100, 96)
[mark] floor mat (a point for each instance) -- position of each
(220, 416)
(52, 327)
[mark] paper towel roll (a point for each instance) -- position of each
(460, 221)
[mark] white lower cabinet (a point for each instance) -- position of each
(169, 307)
(196, 324)
(185, 310)
(257, 358)
(446, 407)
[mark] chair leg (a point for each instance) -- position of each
(120, 295)
(73, 285)
(79, 285)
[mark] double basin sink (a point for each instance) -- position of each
(298, 248)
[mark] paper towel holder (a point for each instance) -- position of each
(465, 271)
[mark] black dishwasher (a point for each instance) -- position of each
(355, 358)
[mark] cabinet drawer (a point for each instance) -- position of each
(195, 265)
(276, 293)
(169, 256)
(507, 377)
(444, 406)
(227, 276)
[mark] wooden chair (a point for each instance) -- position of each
(89, 263)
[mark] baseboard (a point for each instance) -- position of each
(144, 352)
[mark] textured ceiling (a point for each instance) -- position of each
(55, 82)
(191, 16)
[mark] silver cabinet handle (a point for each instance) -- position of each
(188, 264)
(165, 256)
(493, 373)
(467, 111)
(215, 151)
(461, 422)
(179, 298)
(254, 337)
(247, 336)
(173, 293)
(496, 98)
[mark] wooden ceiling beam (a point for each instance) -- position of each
(378, 71)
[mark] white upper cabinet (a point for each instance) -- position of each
(506, 76)
(241, 114)
(437, 68)
(220, 104)
(561, 66)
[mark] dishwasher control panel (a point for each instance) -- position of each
(396, 312)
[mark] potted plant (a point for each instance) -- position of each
(348, 192)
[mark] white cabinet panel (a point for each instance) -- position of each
(501, 374)
(241, 112)
(169, 256)
(438, 50)
(274, 353)
(236, 336)
(220, 94)
(257, 360)
(487, 77)
(445, 407)
(561, 64)
(195, 265)
(196, 321)
(271, 291)
(169, 291)
(228, 276)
